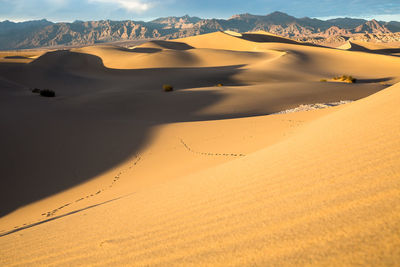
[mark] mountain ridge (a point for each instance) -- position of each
(43, 33)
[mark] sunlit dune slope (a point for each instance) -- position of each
(20, 56)
(328, 194)
(177, 149)
(263, 56)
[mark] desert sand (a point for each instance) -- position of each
(114, 171)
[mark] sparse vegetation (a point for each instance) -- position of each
(345, 78)
(220, 85)
(47, 93)
(168, 88)
(36, 90)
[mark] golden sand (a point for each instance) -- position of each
(114, 171)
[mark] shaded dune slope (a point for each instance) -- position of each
(373, 48)
(64, 60)
(350, 46)
(90, 126)
(264, 37)
(167, 45)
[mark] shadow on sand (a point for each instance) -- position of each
(380, 80)
(60, 216)
(99, 118)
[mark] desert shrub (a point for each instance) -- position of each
(36, 90)
(47, 93)
(352, 80)
(345, 78)
(323, 80)
(220, 85)
(168, 88)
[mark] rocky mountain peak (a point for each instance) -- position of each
(372, 26)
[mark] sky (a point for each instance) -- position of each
(71, 10)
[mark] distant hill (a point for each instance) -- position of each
(33, 34)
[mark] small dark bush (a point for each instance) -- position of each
(168, 88)
(36, 90)
(47, 93)
(345, 78)
(350, 79)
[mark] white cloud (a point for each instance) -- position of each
(130, 5)
(384, 17)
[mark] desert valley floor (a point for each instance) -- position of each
(115, 171)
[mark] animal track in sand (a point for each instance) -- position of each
(113, 242)
(210, 153)
(293, 125)
(116, 178)
(53, 212)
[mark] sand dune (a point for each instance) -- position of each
(378, 46)
(375, 48)
(351, 46)
(114, 171)
(20, 56)
(290, 60)
(158, 44)
(316, 204)
(265, 37)
(151, 55)
(237, 34)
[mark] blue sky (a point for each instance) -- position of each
(70, 10)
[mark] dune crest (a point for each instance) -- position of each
(237, 34)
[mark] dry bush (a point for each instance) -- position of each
(345, 78)
(168, 88)
(47, 93)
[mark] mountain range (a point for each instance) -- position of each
(43, 33)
